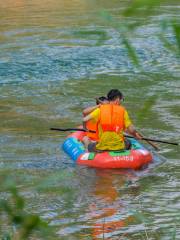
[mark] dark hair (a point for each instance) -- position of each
(113, 94)
(101, 99)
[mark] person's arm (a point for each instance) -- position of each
(92, 116)
(85, 119)
(88, 110)
(131, 130)
(130, 127)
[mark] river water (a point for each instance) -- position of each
(55, 58)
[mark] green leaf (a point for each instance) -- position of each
(131, 51)
(176, 29)
(146, 108)
(6, 237)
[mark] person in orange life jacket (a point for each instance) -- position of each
(91, 125)
(113, 120)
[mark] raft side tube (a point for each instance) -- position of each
(134, 158)
(73, 148)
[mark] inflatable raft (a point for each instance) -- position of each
(134, 158)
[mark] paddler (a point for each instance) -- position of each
(112, 120)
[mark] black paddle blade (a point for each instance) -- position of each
(71, 129)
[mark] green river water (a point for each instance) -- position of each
(55, 58)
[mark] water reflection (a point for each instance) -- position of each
(108, 212)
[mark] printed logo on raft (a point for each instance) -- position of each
(131, 157)
(124, 158)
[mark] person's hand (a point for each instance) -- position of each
(138, 136)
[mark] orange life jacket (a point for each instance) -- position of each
(112, 118)
(92, 126)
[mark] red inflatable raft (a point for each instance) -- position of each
(134, 158)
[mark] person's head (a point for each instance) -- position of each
(114, 95)
(101, 100)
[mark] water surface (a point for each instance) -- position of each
(55, 58)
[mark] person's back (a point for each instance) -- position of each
(112, 123)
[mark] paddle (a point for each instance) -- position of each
(72, 129)
(151, 143)
(154, 140)
(86, 130)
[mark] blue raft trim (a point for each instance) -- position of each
(73, 148)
